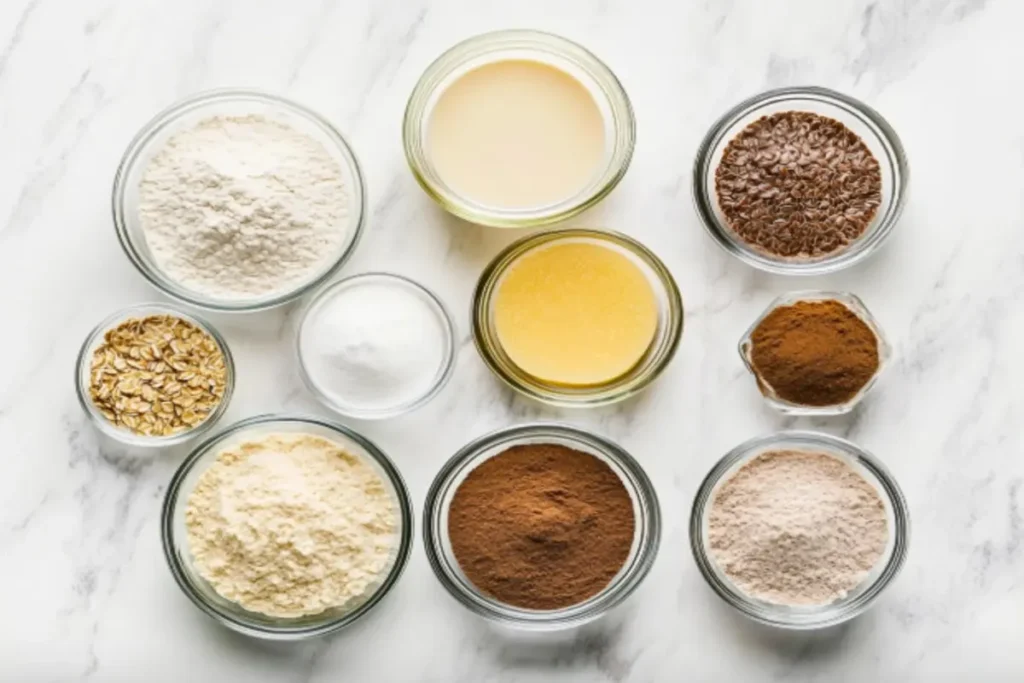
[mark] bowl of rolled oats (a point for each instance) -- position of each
(154, 375)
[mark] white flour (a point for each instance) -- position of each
(290, 525)
(241, 207)
(797, 528)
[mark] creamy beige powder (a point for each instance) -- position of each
(797, 528)
(516, 134)
(289, 525)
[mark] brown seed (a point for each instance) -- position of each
(798, 185)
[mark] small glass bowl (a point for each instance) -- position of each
(852, 302)
(611, 99)
(867, 123)
(444, 370)
(803, 617)
(190, 111)
(95, 338)
(662, 348)
(646, 538)
(175, 540)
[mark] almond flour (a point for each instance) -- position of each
(289, 525)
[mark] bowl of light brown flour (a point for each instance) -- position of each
(799, 529)
(286, 527)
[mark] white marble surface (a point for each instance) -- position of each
(84, 591)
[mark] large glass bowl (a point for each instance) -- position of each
(190, 111)
(232, 615)
(867, 123)
(803, 617)
(646, 538)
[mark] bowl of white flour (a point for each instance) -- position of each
(238, 200)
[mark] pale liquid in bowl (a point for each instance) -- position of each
(516, 134)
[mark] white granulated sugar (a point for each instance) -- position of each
(797, 528)
(289, 525)
(241, 207)
(374, 346)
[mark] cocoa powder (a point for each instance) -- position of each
(541, 526)
(815, 353)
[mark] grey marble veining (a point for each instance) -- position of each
(85, 592)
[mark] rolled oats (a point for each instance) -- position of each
(157, 375)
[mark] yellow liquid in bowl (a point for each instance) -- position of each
(576, 313)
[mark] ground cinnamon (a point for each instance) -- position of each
(541, 526)
(814, 353)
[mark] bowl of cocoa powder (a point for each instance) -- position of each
(800, 181)
(815, 353)
(541, 526)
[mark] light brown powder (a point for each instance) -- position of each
(797, 528)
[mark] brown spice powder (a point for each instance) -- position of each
(541, 526)
(797, 184)
(814, 353)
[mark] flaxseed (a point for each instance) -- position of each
(798, 185)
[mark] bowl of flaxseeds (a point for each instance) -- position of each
(800, 181)
(154, 375)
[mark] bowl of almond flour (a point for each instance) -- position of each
(799, 529)
(237, 200)
(286, 527)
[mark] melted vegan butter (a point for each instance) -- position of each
(576, 313)
(516, 134)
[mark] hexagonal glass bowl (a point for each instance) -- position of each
(853, 303)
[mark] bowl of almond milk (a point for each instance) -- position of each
(518, 129)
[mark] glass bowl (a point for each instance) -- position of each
(647, 533)
(611, 99)
(804, 617)
(852, 302)
(444, 370)
(654, 361)
(230, 614)
(867, 123)
(95, 338)
(190, 111)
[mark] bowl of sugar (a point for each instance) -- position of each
(375, 345)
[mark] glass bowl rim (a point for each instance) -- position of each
(168, 117)
(499, 264)
(831, 615)
(449, 333)
(897, 164)
(142, 310)
(885, 349)
(464, 50)
(648, 518)
(391, 473)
